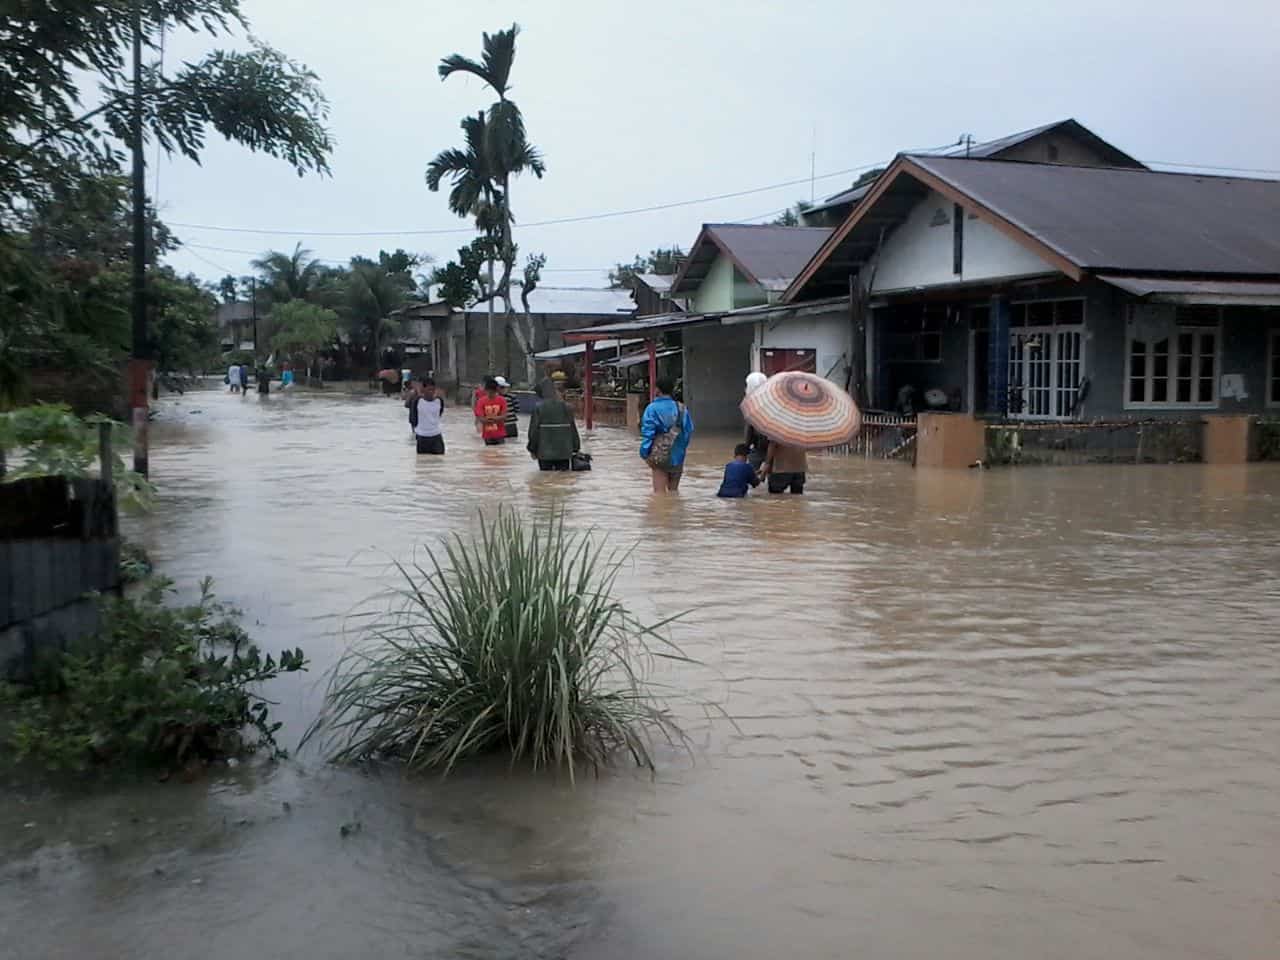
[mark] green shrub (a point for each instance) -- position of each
(158, 686)
(507, 642)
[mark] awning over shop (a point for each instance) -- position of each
(575, 349)
(1211, 292)
(636, 358)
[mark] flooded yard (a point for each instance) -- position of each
(980, 715)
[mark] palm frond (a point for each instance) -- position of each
(497, 56)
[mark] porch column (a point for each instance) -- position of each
(587, 401)
(998, 357)
(653, 369)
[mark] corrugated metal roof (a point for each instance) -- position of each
(1107, 218)
(570, 300)
(575, 349)
(658, 282)
(1164, 290)
(644, 327)
(769, 254)
(991, 149)
(635, 359)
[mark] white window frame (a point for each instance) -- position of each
(1273, 366)
(1175, 329)
(1048, 334)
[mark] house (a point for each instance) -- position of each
(652, 294)
(1054, 291)
(456, 339)
(1066, 142)
(235, 323)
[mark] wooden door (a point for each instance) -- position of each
(777, 360)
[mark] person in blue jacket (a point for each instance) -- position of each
(665, 428)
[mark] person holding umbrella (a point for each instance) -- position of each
(799, 412)
(757, 442)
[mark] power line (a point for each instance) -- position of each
(534, 223)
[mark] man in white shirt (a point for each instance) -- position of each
(430, 411)
(233, 377)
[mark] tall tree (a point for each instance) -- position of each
(304, 331)
(793, 215)
(664, 261)
(506, 146)
(288, 276)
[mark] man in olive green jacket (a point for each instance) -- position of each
(553, 436)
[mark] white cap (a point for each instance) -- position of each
(755, 380)
(502, 381)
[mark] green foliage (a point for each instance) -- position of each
(48, 440)
(509, 642)
(135, 562)
(791, 217)
(459, 280)
(158, 686)
(52, 52)
(304, 331)
(180, 327)
(287, 276)
(664, 261)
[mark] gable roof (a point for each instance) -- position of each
(1079, 219)
(657, 282)
(767, 254)
(993, 149)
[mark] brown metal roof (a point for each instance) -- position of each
(767, 254)
(1104, 218)
(1080, 219)
(1165, 290)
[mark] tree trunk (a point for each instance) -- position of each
(489, 334)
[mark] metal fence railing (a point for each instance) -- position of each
(884, 436)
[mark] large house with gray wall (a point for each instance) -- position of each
(1045, 276)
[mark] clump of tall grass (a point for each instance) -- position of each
(507, 641)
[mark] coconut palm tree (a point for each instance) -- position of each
(506, 145)
(289, 276)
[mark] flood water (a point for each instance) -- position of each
(977, 715)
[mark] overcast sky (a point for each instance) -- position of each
(642, 104)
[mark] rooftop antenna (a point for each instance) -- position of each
(966, 139)
(813, 160)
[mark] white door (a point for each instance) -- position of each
(1046, 365)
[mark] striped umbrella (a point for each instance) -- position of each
(802, 410)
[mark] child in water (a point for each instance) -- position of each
(739, 475)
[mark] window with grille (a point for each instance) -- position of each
(1046, 358)
(1173, 358)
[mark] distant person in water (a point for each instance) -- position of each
(491, 411)
(665, 428)
(553, 435)
(428, 412)
(244, 379)
(233, 377)
(739, 475)
(512, 422)
(786, 468)
(286, 377)
(757, 442)
(411, 395)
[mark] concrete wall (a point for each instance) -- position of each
(1244, 339)
(716, 291)
(830, 335)
(716, 362)
(919, 252)
(55, 547)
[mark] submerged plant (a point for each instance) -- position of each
(510, 641)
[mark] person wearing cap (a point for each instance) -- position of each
(512, 423)
(757, 442)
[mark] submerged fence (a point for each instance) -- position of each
(884, 436)
(1148, 440)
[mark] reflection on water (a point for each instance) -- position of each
(1004, 714)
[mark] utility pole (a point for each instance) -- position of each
(489, 369)
(253, 307)
(140, 360)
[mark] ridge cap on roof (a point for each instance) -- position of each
(1093, 168)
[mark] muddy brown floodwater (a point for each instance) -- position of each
(1011, 714)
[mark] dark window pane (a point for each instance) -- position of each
(1206, 344)
(1136, 387)
(1160, 365)
(1206, 366)
(1162, 346)
(1185, 340)
(1071, 311)
(1138, 364)
(1184, 391)
(1206, 390)
(1040, 314)
(1159, 390)
(1184, 364)
(1275, 389)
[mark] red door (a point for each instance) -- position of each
(775, 360)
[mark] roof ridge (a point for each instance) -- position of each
(1095, 168)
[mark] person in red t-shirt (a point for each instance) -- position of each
(491, 411)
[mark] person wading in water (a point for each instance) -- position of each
(553, 435)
